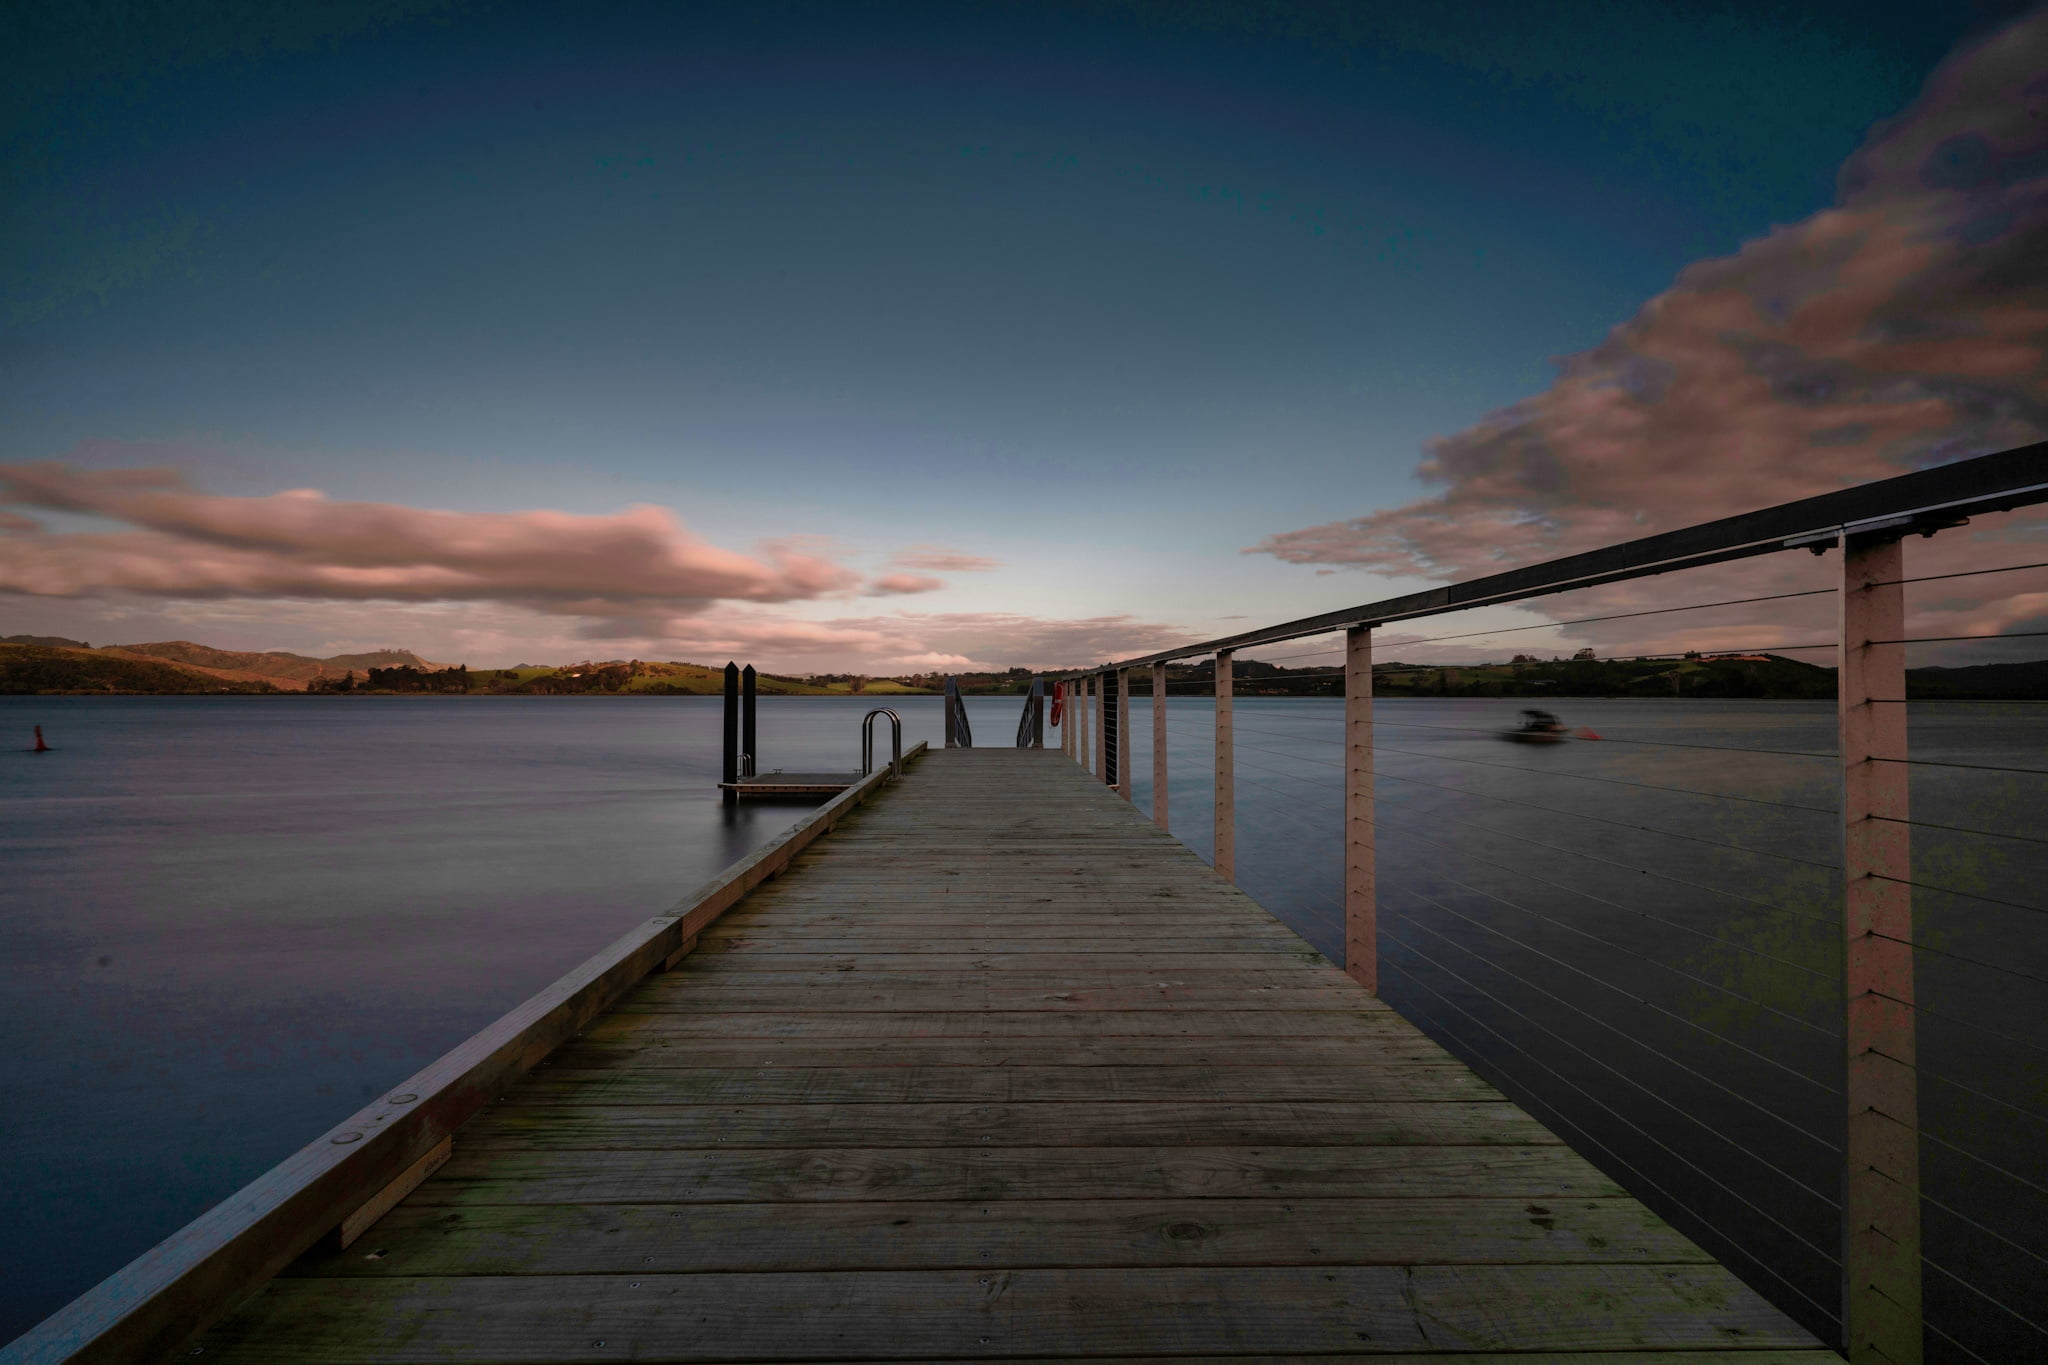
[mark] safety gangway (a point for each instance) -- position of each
(974, 1064)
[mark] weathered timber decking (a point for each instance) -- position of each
(999, 1070)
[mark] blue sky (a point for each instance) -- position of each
(1106, 293)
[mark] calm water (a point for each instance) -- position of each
(231, 920)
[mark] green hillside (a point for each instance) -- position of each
(613, 677)
(37, 668)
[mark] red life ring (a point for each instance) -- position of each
(1059, 702)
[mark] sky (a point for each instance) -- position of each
(893, 337)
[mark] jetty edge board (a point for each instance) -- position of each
(900, 1104)
(154, 1305)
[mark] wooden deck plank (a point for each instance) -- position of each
(1050, 1024)
(728, 973)
(999, 920)
(881, 995)
(999, 1070)
(641, 1040)
(564, 1083)
(770, 940)
(1095, 1123)
(1541, 1175)
(1155, 959)
(622, 1239)
(806, 1315)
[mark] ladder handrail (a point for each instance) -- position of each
(867, 741)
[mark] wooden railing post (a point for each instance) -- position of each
(1123, 733)
(1881, 1310)
(1361, 934)
(1081, 720)
(1159, 746)
(1101, 730)
(1226, 771)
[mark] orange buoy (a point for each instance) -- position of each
(41, 747)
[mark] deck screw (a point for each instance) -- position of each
(634, 1285)
(343, 1139)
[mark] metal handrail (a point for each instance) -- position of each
(1031, 725)
(1922, 501)
(959, 735)
(867, 741)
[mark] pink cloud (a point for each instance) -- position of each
(898, 584)
(943, 559)
(183, 543)
(911, 641)
(1904, 327)
(468, 585)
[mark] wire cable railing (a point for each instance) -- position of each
(1643, 940)
(1699, 1216)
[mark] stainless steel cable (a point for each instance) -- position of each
(1616, 1029)
(1958, 957)
(1648, 743)
(1975, 1093)
(1974, 767)
(1984, 1161)
(1944, 639)
(1589, 777)
(1967, 573)
(2006, 1308)
(1931, 1326)
(1558, 1118)
(1601, 900)
(1826, 1257)
(1684, 975)
(1610, 739)
(1991, 1232)
(1946, 1018)
(1952, 891)
(1605, 820)
(1628, 867)
(1617, 616)
(1961, 829)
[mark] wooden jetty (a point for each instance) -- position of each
(999, 1070)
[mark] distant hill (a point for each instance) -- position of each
(53, 663)
(47, 641)
(634, 676)
(1980, 682)
(289, 672)
(39, 668)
